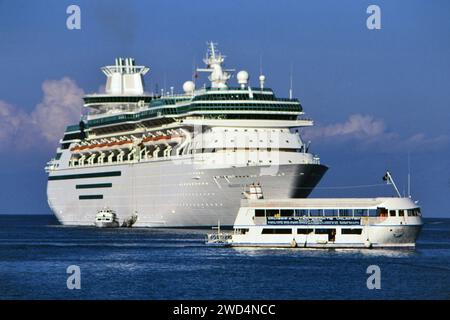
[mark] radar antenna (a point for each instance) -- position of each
(213, 60)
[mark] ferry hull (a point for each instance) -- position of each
(172, 193)
(380, 237)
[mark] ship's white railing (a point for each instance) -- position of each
(218, 237)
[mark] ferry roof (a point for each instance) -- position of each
(333, 203)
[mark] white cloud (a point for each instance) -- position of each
(61, 105)
(12, 122)
(370, 132)
(356, 126)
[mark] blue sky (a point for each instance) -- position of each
(375, 95)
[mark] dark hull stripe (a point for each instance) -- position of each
(91, 197)
(93, 185)
(86, 175)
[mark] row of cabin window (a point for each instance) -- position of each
(180, 110)
(235, 96)
(234, 149)
(380, 212)
(154, 113)
(308, 231)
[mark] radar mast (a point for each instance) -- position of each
(213, 60)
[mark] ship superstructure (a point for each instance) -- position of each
(179, 159)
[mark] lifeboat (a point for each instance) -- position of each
(162, 138)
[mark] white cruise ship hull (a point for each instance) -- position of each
(171, 193)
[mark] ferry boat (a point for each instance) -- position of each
(179, 160)
(325, 223)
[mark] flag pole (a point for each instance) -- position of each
(391, 180)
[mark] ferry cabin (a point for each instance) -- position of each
(372, 222)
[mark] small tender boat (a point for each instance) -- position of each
(218, 239)
(106, 218)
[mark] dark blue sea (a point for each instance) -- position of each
(35, 253)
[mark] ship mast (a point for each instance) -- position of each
(213, 60)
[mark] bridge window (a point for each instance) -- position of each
(286, 213)
(401, 213)
(417, 212)
(382, 212)
(330, 212)
(345, 212)
(360, 212)
(372, 212)
(272, 212)
(301, 212)
(392, 213)
(316, 212)
(260, 213)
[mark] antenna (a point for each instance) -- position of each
(260, 64)
(213, 50)
(409, 175)
(193, 70)
(164, 81)
(290, 83)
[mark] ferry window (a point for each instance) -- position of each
(351, 231)
(277, 231)
(345, 212)
(259, 213)
(382, 212)
(286, 212)
(372, 212)
(330, 212)
(324, 231)
(417, 211)
(304, 231)
(315, 212)
(401, 213)
(360, 212)
(410, 212)
(301, 212)
(272, 212)
(392, 213)
(241, 231)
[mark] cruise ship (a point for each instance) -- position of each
(179, 160)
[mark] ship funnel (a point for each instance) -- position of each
(124, 78)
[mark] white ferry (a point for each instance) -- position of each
(324, 223)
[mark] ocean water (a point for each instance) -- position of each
(35, 253)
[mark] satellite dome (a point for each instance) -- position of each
(262, 77)
(188, 87)
(242, 77)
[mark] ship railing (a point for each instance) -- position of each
(51, 165)
(218, 237)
